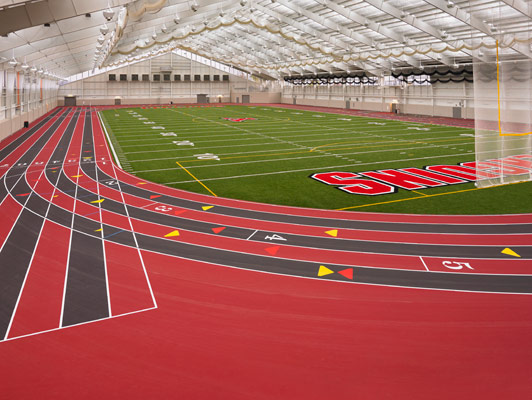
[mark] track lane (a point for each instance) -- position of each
(18, 249)
(77, 192)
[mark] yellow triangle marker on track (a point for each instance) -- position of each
(510, 252)
(333, 233)
(98, 230)
(76, 176)
(172, 234)
(205, 208)
(97, 201)
(324, 271)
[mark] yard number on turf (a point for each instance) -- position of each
(207, 156)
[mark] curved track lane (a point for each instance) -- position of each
(82, 241)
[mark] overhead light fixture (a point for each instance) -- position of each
(195, 6)
(104, 29)
(164, 29)
(109, 13)
(13, 62)
(177, 19)
(33, 69)
(450, 4)
(101, 39)
(444, 34)
(243, 3)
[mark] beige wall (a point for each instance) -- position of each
(140, 101)
(99, 90)
(433, 100)
(257, 97)
(419, 109)
(10, 126)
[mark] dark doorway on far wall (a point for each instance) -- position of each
(70, 101)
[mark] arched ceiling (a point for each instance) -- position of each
(269, 37)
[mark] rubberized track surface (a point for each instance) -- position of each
(170, 294)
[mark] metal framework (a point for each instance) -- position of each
(271, 38)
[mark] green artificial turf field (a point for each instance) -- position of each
(270, 157)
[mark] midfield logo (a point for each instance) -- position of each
(387, 181)
(239, 119)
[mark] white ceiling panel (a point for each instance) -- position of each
(292, 36)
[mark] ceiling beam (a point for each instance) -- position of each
(520, 6)
(477, 24)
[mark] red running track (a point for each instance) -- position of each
(182, 328)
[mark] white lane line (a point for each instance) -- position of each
(96, 169)
(71, 230)
(252, 234)
(130, 224)
(45, 217)
(78, 324)
(425, 265)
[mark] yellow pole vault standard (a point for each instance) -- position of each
(499, 97)
(196, 179)
(498, 86)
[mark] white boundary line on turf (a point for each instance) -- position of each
(110, 143)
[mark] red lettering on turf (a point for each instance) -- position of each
(520, 161)
(454, 170)
(433, 175)
(356, 186)
(402, 179)
(495, 166)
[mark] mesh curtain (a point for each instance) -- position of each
(503, 106)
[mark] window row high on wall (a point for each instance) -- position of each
(167, 78)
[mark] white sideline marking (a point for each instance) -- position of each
(109, 141)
